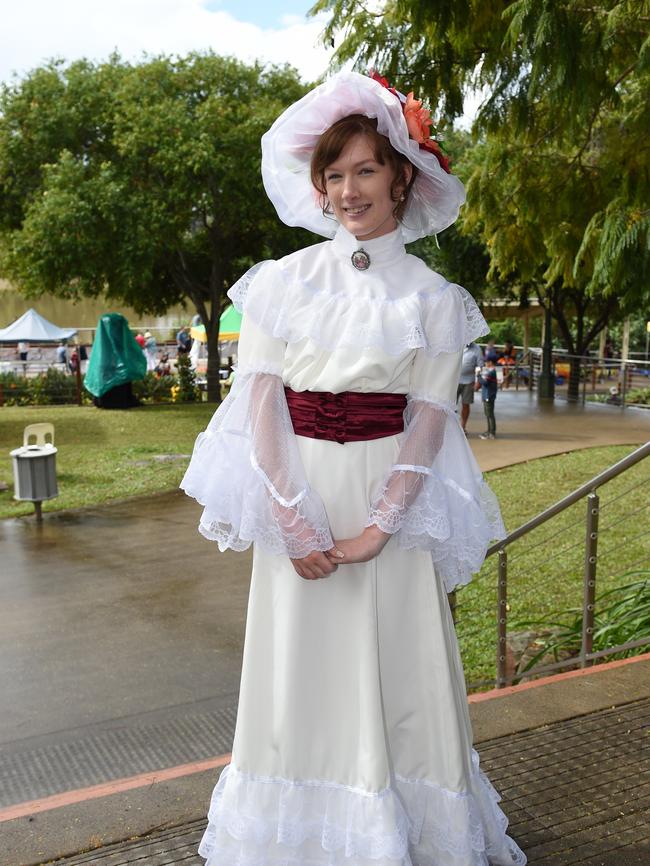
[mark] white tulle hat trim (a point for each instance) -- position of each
(435, 197)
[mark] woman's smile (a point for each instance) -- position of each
(360, 191)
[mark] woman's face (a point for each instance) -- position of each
(359, 190)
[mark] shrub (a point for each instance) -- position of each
(622, 615)
(640, 396)
(188, 391)
(154, 389)
(46, 389)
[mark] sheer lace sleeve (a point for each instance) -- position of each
(434, 497)
(246, 469)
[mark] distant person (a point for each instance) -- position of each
(183, 341)
(487, 379)
(491, 353)
(508, 360)
(163, 368)
(73, 363)
(472, 358)
(83, 357)
(608, 356)
(140, 340)
(150, 351)
(115, 362)
(23, 350)
(61, 355)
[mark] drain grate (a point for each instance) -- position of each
(122, 751)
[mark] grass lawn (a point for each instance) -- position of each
(545, 568)
(104, 456)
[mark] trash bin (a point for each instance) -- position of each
(35, 471)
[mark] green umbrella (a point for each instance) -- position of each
(229, 326)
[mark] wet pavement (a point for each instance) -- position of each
(115, 617)
(527, 429)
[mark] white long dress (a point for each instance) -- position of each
(353, 745)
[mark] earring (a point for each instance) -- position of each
(402, 197)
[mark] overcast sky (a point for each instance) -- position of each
(32, 31)
(277, 31)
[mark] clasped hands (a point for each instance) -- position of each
(363, 548)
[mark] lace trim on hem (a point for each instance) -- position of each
(257, 825)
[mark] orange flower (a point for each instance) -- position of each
(418, 119)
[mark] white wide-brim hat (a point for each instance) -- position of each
(434, 199)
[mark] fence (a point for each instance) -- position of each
(542, 582)
(611, 381)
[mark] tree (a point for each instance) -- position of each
(560, 183)
(140, 182)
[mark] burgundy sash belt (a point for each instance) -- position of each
(350, 416)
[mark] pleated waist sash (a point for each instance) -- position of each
(350, 416)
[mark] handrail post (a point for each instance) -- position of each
(502, 617)
(589, 583)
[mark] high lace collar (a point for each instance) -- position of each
(384, 250)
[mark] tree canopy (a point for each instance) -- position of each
(560, 178)
(140, 182)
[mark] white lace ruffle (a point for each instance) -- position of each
(259, 821)
(435, 497)
(442, 319)
(247, 473)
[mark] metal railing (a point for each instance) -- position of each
(578, 533)
(611, 381)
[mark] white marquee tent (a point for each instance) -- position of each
(33, 328)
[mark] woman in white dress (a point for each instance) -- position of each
(338, 454)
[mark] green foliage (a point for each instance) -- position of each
(153, 388)
(140, 182)
(558, 180)
(545, 568)
(49, 388)
(622, 615)
(188, 391)
(105, 456)
(639, 396)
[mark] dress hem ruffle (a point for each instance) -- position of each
(269, 821)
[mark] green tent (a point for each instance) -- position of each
(116, 358)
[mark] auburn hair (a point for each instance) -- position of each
(332, 142)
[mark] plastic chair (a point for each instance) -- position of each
(39, 432)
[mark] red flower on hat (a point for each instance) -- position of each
(383, 81)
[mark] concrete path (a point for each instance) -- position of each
(527, 429)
